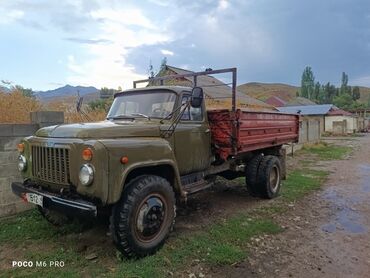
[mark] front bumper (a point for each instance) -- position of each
(75, 207)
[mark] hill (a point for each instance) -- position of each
(89, 93)
(263, 91)
(365, 94)
(288, 93)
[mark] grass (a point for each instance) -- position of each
(222, 243)
(31, 225)
(325, 151)
(302, 181)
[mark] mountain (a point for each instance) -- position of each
(364, 94)
(263, 91)
(89, 93)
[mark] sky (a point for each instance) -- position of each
(45, 44)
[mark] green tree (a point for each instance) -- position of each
(329, 93)
(100, 104)
(356, 93)
(322, 98)
(344, 101)
(316, 93)
(27, 92)
(344, 88)
(307, 83)
(106, 93)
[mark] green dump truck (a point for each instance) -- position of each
(157, 146)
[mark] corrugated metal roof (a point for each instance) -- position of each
(321, 109)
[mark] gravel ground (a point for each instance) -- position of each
(327, 234)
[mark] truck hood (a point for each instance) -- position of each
(105, 129)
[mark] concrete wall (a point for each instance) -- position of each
(311, 128)
(350, 123)
(10, 136)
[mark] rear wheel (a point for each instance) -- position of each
(269, 177)
(251, 173)
(143, 218)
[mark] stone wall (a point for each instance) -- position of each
(10, 136)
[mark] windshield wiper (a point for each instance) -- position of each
(123, 116)
(141, 115)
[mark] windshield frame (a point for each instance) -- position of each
(143, 92)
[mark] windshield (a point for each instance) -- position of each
(152, 104)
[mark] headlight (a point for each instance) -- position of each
(86, 174)
(22, 163)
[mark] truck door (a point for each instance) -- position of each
(193, 140)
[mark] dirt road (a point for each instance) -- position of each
(327, 233)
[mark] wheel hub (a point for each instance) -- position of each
(274, 178)
(150, 218)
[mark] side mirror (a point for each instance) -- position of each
(196, 97)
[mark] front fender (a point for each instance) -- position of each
(141, 153)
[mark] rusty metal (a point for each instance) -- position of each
(233, 71)
(254, 130)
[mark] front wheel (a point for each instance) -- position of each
(56, 218)
(143, 218)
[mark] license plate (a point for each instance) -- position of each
(34, 199)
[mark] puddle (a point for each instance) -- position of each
(347, 218)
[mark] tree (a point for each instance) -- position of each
(163, 64)
(151, 72)
(344, 88)
(356, 93)
(322, 98)
(307, 83)
(316, 93)
(343, 101)
(107, 93)
(27, 92)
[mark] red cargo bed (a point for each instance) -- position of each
(252, 130)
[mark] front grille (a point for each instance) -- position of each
(51, 164)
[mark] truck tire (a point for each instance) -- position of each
(142, 220)
(269, 177)
(251, 175)
(57, 219)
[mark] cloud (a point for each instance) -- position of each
(167, 52)
(88, 41)
(107, 64)
(269, 41)
(8, 17)
(124, 17)
(223, 4)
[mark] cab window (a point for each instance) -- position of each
(191, 113)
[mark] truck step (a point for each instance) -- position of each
(197, 186)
